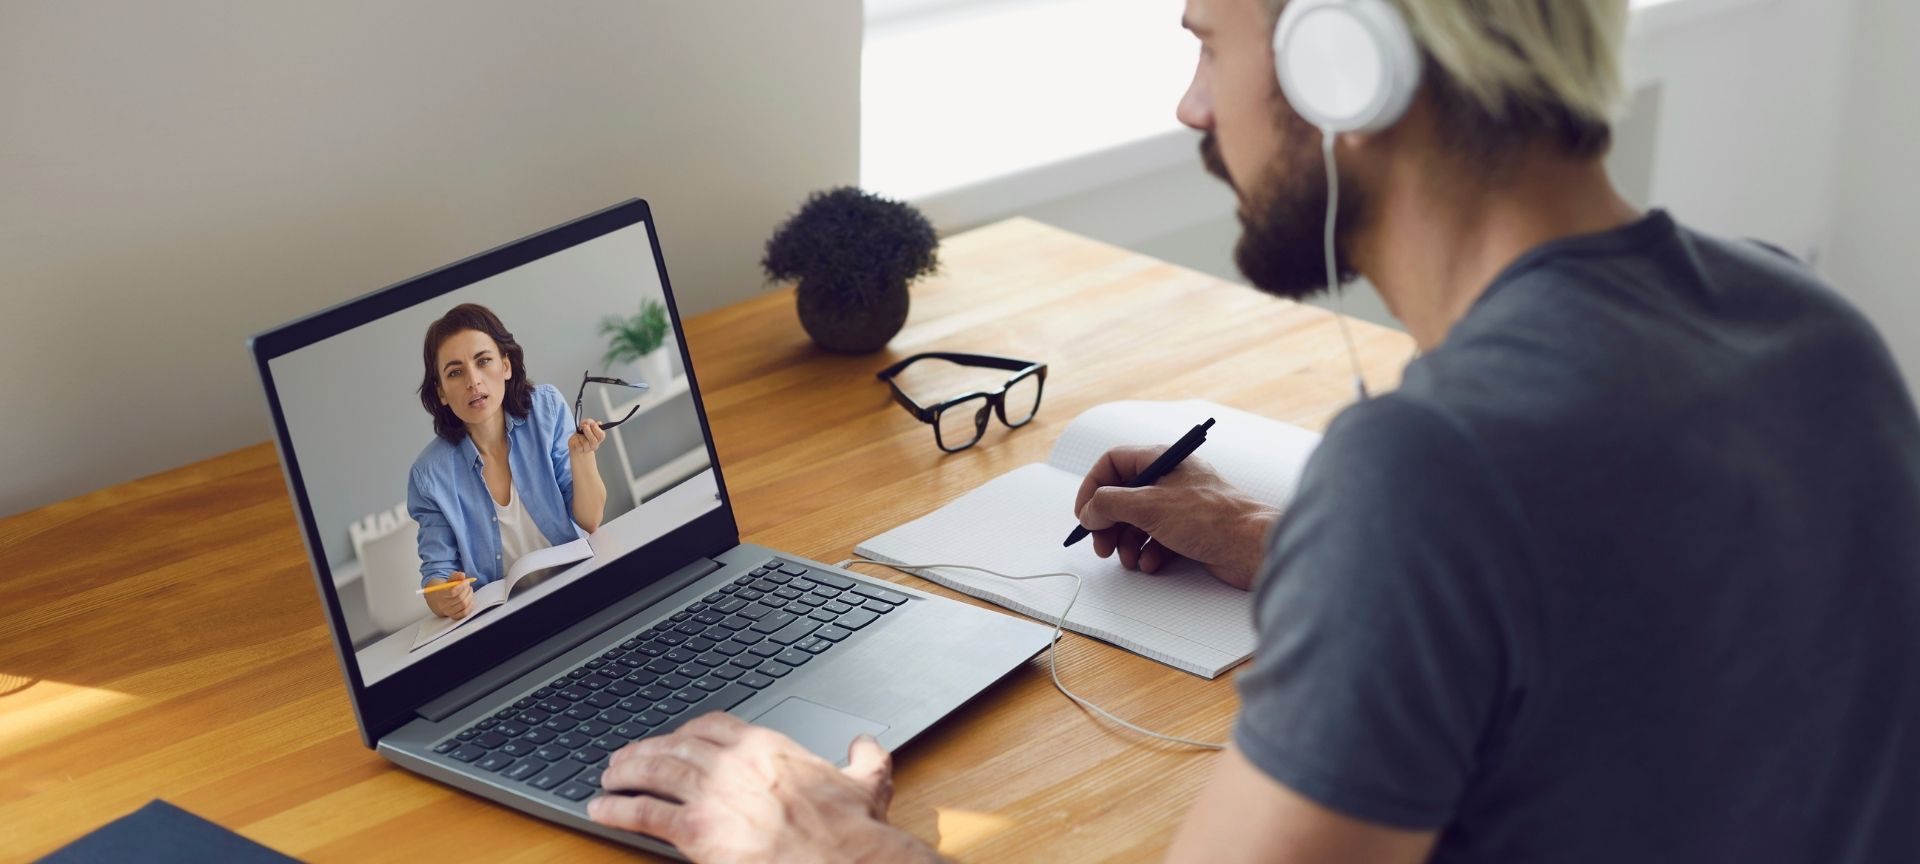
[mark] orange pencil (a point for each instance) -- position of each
(442, 586)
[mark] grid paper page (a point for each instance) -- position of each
(1015, 523)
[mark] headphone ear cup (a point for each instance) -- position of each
(1346, 65)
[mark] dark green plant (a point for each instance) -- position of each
(632, 338)
(850, 241)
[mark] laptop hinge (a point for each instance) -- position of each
(566, 640)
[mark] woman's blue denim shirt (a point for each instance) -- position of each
(447, 495)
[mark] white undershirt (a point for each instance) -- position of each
(518, 534)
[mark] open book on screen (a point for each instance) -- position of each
(1015, 524)
(496, 592)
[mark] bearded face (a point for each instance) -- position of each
(1283, 211)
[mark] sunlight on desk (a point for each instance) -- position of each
(11, 683)
(42, 711)
(960, 830)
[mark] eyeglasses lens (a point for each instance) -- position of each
(1022, 400)
(961, 424)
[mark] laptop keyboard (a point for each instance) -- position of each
(710, 656)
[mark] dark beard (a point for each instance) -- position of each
(1283, 218)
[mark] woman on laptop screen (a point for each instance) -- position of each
(499, 479)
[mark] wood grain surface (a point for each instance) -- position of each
(162, 638)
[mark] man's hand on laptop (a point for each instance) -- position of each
(720, 789)
(1192, 512)
(455, 602)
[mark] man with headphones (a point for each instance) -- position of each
(1626, 569)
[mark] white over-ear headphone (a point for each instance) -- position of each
(1346, 65)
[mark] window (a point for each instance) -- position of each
(957, 91)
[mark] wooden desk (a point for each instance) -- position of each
(161, 638)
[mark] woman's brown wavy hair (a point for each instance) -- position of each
(471, 316)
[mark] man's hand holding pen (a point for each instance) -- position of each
(1192, 512)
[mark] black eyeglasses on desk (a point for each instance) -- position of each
(959, 422)
(590, 378)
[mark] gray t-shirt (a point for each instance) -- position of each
(1627, 570)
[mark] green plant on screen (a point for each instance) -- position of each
(631, 338)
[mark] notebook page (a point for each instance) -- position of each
(1015, 524)
(1260, 456)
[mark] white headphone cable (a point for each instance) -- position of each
(1327, 137)
(1053, 646)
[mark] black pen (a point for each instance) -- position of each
(1168, 461)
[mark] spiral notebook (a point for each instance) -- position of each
(1015, 523)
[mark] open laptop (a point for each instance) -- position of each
(667, 617)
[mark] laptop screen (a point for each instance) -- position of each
(450, 484)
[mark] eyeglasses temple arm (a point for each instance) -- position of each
(617, 382)
(900, 396)
(1008, 363)
(630, 412)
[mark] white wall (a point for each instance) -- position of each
(1873, 254)
(176, 176)
(1746, 142)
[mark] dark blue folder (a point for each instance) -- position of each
(161, 833)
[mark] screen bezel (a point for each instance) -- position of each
(391, 702)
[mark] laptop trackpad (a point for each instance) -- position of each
(823, 730)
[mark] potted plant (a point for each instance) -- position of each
(640, 340)
(853, 255)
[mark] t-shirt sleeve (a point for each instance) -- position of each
(1386, 644)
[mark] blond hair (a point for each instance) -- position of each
(1506, 72)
